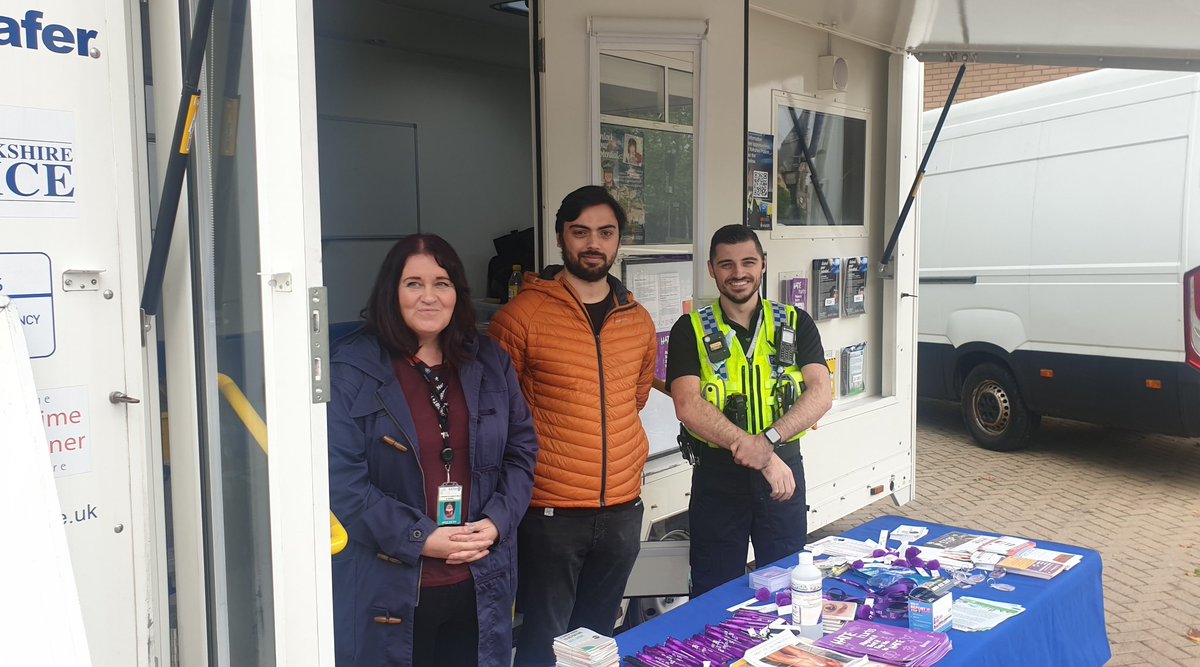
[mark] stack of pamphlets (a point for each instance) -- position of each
(1008, 546)
(835, 545)
(960, 545)
(976, 614)
(887, 644)
(1040, 563)
(909, 534)
(585, 648)
(948, 560)
(787, 648)
(1016, 554)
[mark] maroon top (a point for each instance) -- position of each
(435, 572)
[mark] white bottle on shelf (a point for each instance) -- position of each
(806, 597)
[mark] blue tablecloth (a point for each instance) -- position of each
(1063, 621)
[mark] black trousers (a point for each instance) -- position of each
(572, 570)
(446, 627)
(730, 507)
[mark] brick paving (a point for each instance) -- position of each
(1133, 497)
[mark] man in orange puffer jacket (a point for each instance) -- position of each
(577, 543)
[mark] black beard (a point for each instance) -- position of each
(582, 272)
(752, 295)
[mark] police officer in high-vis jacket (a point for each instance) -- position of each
(748, 378)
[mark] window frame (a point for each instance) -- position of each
(809, 103)
(606, 35)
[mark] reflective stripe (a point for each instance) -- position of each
(708, 324)
(779, 315)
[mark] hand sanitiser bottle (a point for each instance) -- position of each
(806, 597)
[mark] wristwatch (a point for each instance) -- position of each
(773, 436)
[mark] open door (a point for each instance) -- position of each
(69, 238)
(246, 346)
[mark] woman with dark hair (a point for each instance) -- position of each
(431, 455)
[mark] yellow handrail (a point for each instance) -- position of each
(258, 430)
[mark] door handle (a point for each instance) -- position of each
(117, 397)
(318, 341)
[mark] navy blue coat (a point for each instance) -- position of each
(377, 492)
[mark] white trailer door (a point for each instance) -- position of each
(69, 207)
(242, 321)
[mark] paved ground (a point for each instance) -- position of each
(1133, 497)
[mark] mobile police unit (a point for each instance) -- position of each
(188, 544)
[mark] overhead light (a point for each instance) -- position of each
(518, 7)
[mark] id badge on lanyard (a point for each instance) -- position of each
(449, 509)
(449, 504)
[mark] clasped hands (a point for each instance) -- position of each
(459, 545)
(753, 451)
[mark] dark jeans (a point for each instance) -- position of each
(446, 626)
(730, 506)
(572, 569)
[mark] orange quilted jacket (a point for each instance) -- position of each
(591, 443)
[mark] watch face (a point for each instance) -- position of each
(772, 436)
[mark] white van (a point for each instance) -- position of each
(1060, 257)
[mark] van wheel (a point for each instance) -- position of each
(994, 411)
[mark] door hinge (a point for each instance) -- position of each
(539, 55)
(318, 337)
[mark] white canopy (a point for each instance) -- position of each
(1146, 34)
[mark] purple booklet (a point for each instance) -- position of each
(797, 292)
(887, 644)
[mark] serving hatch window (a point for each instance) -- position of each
(821, 157)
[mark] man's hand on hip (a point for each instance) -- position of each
(752, 451)
(781, 479)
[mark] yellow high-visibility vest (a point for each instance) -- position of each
(757, 377)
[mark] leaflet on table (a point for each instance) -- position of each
(959, 542)
(1040, 563)
(946, 559)
(907, 533)
(836, 613)
(986, 561)
(976, 614)
(835, 545)
(885, 643)
(786, 648)
(1008, 545)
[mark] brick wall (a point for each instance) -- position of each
(982, 80)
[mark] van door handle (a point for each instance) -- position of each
(118, 397)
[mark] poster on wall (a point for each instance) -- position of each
(662, 284)
(622, 160)
(760, 159)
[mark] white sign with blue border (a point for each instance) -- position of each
(25, 277)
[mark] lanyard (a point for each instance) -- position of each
(437, 396)
(754, 339)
